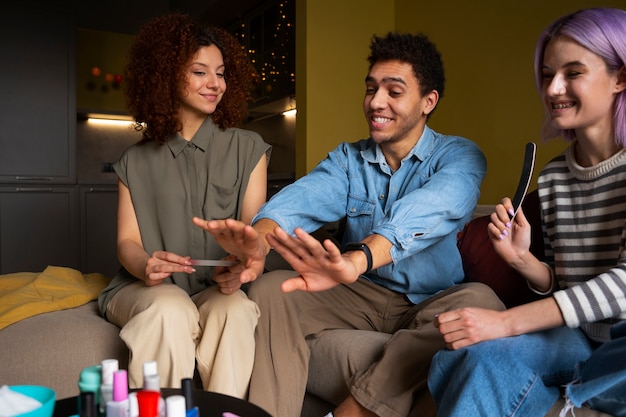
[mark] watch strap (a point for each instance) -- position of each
(360, 246)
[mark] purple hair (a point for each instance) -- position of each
(602, 31)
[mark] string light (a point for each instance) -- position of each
(273, 56)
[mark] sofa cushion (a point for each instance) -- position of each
(482, 264)
(51, 349)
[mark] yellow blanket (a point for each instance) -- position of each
(26, 294)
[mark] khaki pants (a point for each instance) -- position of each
(394, 385)
(163, 323)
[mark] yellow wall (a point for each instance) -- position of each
(487, 48)
(332, 44)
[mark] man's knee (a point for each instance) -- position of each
(268, 285)
(476, 294)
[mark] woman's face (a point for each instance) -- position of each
(578, 90)
(205, 84)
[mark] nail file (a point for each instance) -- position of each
(525, 177)
(211, 262)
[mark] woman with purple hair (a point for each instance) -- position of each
(515, 362)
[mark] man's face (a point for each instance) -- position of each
(394, 107)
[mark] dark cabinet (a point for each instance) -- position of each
(51, 225)
(38, 201)
(37, 90)
(98, 218)
(38, 227)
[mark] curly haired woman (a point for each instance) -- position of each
(191, 161)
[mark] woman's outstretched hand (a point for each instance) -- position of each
(244, 243)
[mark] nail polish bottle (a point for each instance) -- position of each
(109, 366)
(133, 405)
(87, 406)
(149, 371)
(118, 406)
(187, 390)
(148, 403)
(90, 380)
(175, 406)
(152, 382)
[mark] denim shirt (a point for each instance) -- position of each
(419, 208)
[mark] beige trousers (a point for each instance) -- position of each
(210, 329)
(394, 385)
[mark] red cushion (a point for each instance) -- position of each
(482, 264)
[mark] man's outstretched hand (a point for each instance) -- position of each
(321, 267)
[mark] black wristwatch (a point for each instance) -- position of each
(365, 249)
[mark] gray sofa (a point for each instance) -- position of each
(52, 348)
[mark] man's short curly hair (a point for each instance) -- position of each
(156, 69)
(417, 50)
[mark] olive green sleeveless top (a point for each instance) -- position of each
(169, 184)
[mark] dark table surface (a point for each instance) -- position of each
(210, 404)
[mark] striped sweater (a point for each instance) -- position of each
(584, 226)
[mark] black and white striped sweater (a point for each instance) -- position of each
(584, 225)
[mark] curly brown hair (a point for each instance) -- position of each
(156, 69)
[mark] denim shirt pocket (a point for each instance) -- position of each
(359, 218)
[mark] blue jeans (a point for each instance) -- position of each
(601, 379)
(513, 376)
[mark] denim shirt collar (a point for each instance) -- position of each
(424, 147)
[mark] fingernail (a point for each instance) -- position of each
(511, 212)
(505, 232)
(501, 237)
(508, 225)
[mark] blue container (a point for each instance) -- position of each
(45, 395)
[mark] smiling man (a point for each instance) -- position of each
(405, 193)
